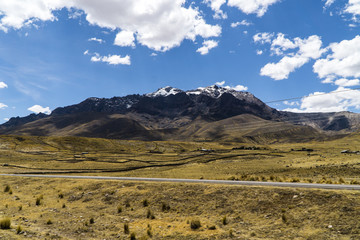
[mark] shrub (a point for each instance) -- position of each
(119, 209)
(92, 221)
(18, 230)
(49, 222)
(213, 227)
(7, 188)
(126, 228)
(20, 207)
(224, 220)
(132, 236)
(341, 180)
(165, 207)
(61, 195)
(127, 203)
(195, 224)
(284, 218)
(38, 201)
(63, 206)
(5, 223)
(148, 232)
(145, 203)
(150, 215)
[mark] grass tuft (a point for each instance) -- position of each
(5, 223)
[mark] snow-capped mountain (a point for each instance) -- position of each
(165, 110)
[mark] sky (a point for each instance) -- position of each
(55, 53)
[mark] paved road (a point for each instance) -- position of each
(176, 180)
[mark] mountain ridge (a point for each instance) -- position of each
(171, 113)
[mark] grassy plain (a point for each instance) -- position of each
(94, 209)
(305, 162)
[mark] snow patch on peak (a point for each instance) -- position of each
(211, 91)
(164, 92)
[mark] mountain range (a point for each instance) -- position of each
(206, 114)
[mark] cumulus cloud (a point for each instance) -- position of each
(353, 7)
(243, 23)
(282, 69)
(302, 50)
(3, 85)
(125, 39)
(336, 101)
(39, 109)
(263, 37)
(94, 39)
(207, 45)
(159, 25)
(112, 59)
(343, 61)
(343, 82)
(259, 52)
(215, 5)
(18, 13)
(2, 106)
(258, 7)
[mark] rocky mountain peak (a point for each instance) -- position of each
(164, 92)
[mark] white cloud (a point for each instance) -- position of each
(215, 5)
(125, 39)
(207, 45)
(259, 52)
(236, 88)
(18, 13)
(94, 39)
(282, 69)
(153, 54)
(309, 48)
(2, 106)
(6, 119)
(220, 83)
(263, 37)
(259, 7)
(343, 82)
(353, 7)
(112, 59)
(243, 23)
(39, 109)
(3, 85)
(328, 3)
(291, 103)
(336, 101)
(159, 25)
(343, 61)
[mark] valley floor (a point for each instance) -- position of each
(39, 208)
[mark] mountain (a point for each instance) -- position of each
(203, 114)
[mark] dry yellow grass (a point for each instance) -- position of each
(251, 212)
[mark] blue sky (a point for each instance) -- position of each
(59, 52)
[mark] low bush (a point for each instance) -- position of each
(126, 228)
(195, 224)
(5, 223)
